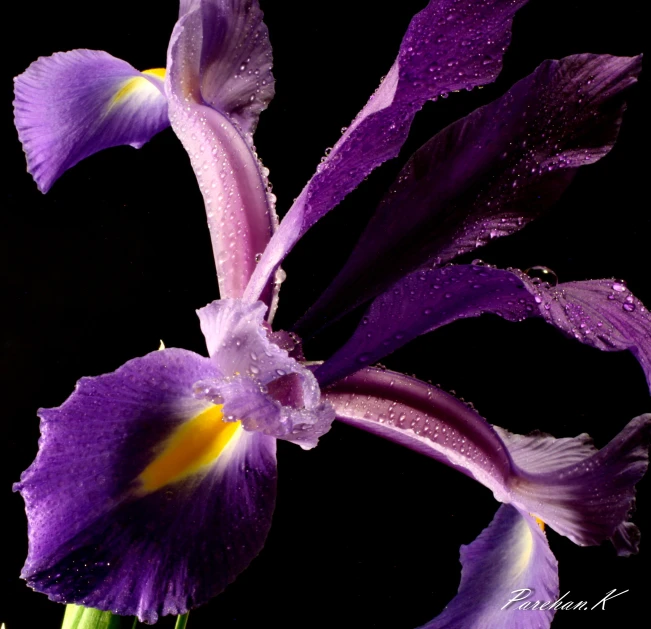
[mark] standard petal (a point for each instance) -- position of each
(73, 104)
(584, 494)
(450, 45)
(504, 572)
(141, 499)
(487, 175)
(215, 97)
(600, 313)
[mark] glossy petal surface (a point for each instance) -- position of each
(584, 494)
(510, 559)
(73, 104)
(600, 313)
(449, 45)
(215, 97)
(102, 535)
(487, 175)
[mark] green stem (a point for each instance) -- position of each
(182, 621)
(135, 622)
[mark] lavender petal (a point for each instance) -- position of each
(584, 494)
(73, 104)
(510, 559)
(215, 97)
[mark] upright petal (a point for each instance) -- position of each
(600, 313)
(73, 104)
(487, 175)
(584, 494)
(510, 559)
(219, 80)
(142, 500)
(449, 45)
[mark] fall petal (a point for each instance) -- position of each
(142, 500)
(73, 104)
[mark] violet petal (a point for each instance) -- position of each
(73, 104)
(99, 537)
(600, 313)
(511, 558)
(487, 175)
(449, 45)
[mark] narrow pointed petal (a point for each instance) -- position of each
(487, 175)
(141, 499)
(584, 494)
(73, 104)
(510, 559)
(259, 383)
(219, 80)
(600, 313)
(450, 45)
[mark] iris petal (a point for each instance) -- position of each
(127, 511)
(486, 176)
(449, 45)
(584, 494)
(511, 558)
(215, 96)
(73, 104)
(600, 313)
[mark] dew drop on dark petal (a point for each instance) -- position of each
(542, 273)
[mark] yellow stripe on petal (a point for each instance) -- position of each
(159, 72)
(194, 445)
(136, 84)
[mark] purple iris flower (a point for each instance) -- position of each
(175, 450)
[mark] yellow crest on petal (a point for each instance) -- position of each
(194, 445)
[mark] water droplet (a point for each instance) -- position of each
(543, 273)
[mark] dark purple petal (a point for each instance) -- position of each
(450, 45)
(600, 313)
(103, 534)
(584, 494)
(510, 559)
(258, 382)
(215, 96)
(73, 104)
(487, 175)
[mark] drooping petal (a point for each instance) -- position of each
(450, 45)
(510, 559)
(600, 313)
(258, 382)
(584, 494)
(487, 175)
(141, 499)
(219, 80)
(73, 104)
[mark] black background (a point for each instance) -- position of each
(117, 256)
